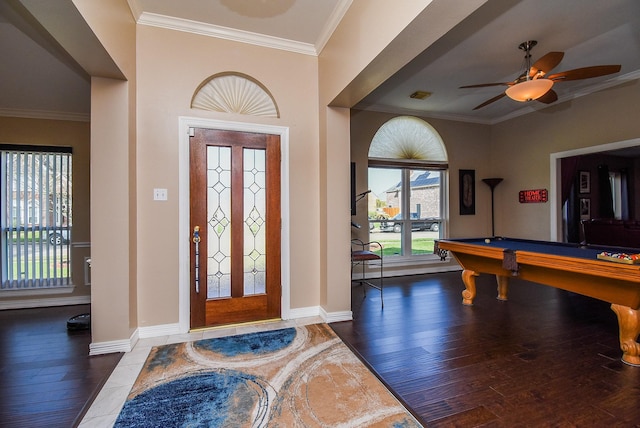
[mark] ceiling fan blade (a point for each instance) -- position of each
(546, 63)
(484, 85)
(585, 72)
(549, 97)
(496, 98)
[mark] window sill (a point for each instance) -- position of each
(26, 292)
(416, 265)
(405, 260)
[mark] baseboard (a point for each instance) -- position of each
(315, 311)
(402, 270)
(169, 329)
(159, 330)
(309, 311)
(45, 302)
(330, 317)
(125, 345)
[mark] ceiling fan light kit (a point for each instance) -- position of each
(529, 89)
(534, 83)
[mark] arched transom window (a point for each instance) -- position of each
(407, 165)
(232, 92)
(409, 138)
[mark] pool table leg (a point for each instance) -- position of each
(503, 287)
(469, 293)
(629, 323)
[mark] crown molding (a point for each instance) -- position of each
(200, 28)
(383, 108)
(135, 8)
(45, 114)
(334, 20)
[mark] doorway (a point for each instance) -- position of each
(628, 147)
(187, 126)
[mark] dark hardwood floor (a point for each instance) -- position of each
(47, 378)
(544, 358)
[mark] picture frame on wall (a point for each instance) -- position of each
(585, 208)
(467, 192)
(585, 182)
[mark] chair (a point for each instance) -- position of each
(366, 254)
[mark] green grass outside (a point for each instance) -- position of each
(32, 270)
(391, 247)
(23, 236)
(29, 270)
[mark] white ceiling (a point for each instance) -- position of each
(484, 49)
(481, 49)
(298, 25)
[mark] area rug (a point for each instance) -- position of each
(294, 377)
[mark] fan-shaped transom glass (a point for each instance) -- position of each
(232, 92)
(407, 137)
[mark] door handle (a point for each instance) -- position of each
(196, 241)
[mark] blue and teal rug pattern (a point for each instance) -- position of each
(294, 377)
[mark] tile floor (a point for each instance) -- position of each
(106, 407)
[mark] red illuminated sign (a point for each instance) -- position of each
(530, 196)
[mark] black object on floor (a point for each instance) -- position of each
(79, 322)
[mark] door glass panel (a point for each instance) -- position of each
(218, 222)
(254, 178)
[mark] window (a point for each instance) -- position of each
(619, 194)
(36, 230)
(406, 225)
(406, 157)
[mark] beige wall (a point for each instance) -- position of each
(114, 172)
(517, 150)
(39, 132)
(171, 66)
(111, 305)
(468, 147)
(521, 149)
(135, 146)
(350, 49)
(373, 41)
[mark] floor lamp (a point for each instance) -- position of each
(492, 183)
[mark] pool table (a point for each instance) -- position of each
(570, 267)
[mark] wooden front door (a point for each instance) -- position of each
(235, 226)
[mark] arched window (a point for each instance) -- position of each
(407, 138)
(232, 92)
(407, 162)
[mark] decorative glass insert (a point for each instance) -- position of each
(254, 266)
(218, 222)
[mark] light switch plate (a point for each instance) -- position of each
(159, 194)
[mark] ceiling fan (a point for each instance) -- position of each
(535, 84)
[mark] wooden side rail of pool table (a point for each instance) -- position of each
(618, 284)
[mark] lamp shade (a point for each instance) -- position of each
(529, 89)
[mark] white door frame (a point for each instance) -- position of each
(184, 124)
(555, 196)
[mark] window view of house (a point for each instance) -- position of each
(36, 230)
(406, 157)
(404, 226)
